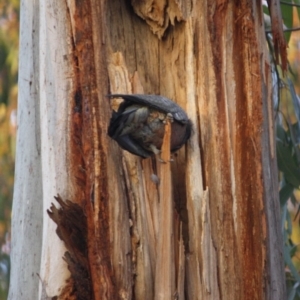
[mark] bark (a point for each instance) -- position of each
(204, 226)
(41, 157)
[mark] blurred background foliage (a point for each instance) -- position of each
(286, 89)
(9, 41)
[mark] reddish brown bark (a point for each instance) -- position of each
(224, 184)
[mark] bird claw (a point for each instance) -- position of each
(154, 149)
(161, 160)
(169, 117)
(142, 119)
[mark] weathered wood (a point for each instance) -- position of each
(164, 271)
(204, 226)
(44, 79)
(27, 229)
(214, 66)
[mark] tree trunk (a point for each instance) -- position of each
(203, 226)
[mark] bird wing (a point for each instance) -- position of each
(127, 143)
(157, 102)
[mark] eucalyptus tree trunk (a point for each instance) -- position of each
(205, 225)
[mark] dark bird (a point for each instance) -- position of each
(139, 124)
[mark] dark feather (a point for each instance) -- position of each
(158, 102)
(138, 125)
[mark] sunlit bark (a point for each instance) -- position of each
(204, 226)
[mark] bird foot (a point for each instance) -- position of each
(169, 117)
(161, 160)
(154, 149)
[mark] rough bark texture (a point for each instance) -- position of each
(214, 65)
(204, 226)
(40, 172)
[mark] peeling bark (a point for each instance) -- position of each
(204, 226)
(71, 224)
(160, 14)
(279, 41)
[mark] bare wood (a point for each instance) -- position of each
(221, 214)
(181, 270)
(164, 273)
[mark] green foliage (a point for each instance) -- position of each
(288, 158)
(287, 17)
(287, 8)
(287, 146)
(288, 153)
